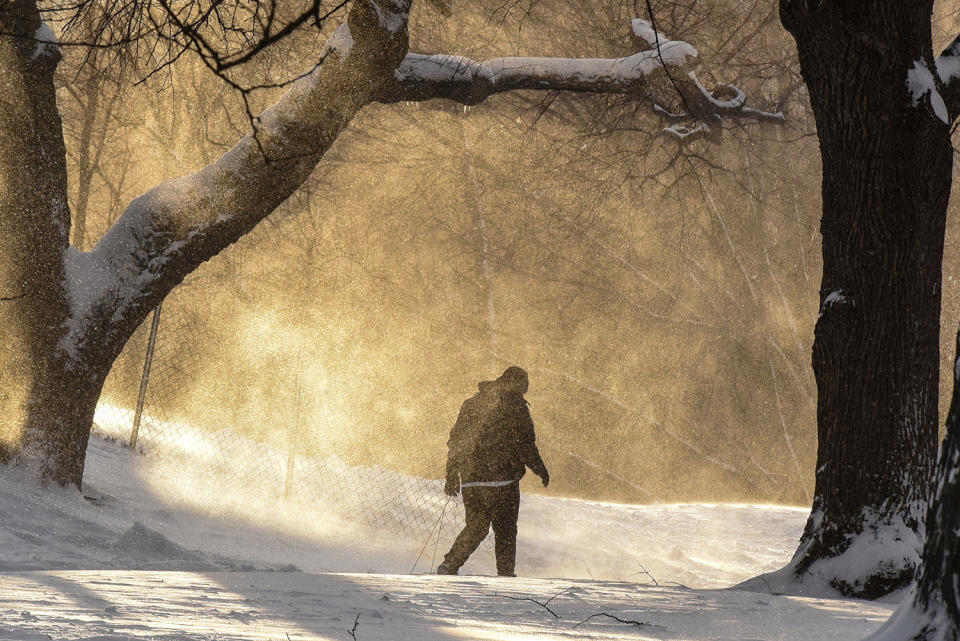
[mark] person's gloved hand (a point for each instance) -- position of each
(451, 488)
(545, 478)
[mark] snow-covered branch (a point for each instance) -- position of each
(168, 231)
(424, 77)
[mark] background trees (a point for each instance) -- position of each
(623, 268)
(96, 299)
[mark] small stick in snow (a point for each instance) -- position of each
(639, 624)
(769, 588)
(543, 604)
(644, 570)
(353, 631)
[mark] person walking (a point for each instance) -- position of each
(490, 448)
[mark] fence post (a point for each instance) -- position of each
(145, 377)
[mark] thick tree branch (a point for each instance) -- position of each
(168, 231)
(425, 77)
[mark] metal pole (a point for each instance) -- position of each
(145, 378)
(291, 434)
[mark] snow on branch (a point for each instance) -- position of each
(673, 52)
(424, 77)
(171, 229)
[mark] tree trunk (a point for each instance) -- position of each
(932, 610)
(41, 418)
(886, 183)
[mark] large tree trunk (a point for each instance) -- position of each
(43, 422)
(886, 181)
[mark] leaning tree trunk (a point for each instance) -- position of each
(886, 181)
(932, 610)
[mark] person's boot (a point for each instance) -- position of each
(443, 568)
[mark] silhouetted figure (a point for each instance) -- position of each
(490, 447)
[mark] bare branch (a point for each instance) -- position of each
(639, 624)
(353, 631)
(543, 604)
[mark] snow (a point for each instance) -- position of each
(736, 102)
(907, 620)
(948, 67)
(155, 552)
(682, 131)
(920, 83)
(883, 544)
(87, 278)
(46, 41)
(836, 297)
(393, 18)
(674, 52)
(451, 68)
(341, 41)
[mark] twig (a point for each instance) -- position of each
(769, 587)
(543, 604)
(639, 624)
(644, 570)
(18, 296)
(560, 593)
(656, 34)
(353, 631)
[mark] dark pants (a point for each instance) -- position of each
(486, 506)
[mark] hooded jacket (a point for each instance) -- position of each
(493, 438)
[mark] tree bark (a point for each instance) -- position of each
(931, 612)
(886, 181)
(37, 401)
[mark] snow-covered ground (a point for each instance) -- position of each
(157, 551)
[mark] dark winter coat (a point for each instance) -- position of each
(493, 438)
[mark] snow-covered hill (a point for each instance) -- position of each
(156, 551)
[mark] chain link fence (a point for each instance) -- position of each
(150, 401)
